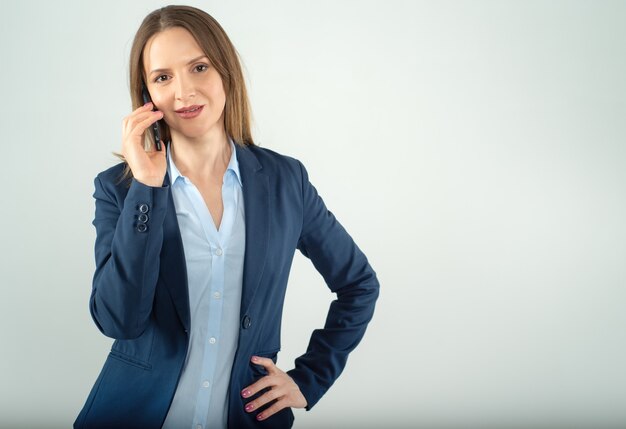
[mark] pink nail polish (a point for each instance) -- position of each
(245, 393)
(249, 407)
(260, 417)
(255, 359)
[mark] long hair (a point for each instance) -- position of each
(216, 45)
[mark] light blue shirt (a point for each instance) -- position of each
(214, 260)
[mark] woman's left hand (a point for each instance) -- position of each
(283, 389)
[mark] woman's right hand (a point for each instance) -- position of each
(150, 167)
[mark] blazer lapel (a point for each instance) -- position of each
(257, 215)
(173, 265)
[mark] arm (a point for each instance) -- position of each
(127, 258)
(347, 272)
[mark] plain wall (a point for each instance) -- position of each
(475, 150)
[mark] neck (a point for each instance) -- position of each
(201, 158)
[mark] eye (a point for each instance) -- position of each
(158, 79)
(201, 67)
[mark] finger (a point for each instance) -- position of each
(142, 110)
(267, 363)
(143, 125)
(267, 381)
(146, 108)
(150, 115)
(276, 407)
(262, 400)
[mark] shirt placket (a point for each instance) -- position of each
(217, 241)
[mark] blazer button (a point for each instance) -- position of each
(246, 322)
(143, 208)
(142, 227)
(143, 218)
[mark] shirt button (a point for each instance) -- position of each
(218, 252)
(212, 340)
(142, 227)
(217, 295)
(205, 384)
(143, 208)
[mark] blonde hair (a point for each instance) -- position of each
(216, 45)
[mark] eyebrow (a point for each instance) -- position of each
(190, 62)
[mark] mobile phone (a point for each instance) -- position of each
(155, 126)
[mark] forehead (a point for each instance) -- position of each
(169, 48)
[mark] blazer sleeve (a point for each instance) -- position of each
(127, 256)
(347, 273)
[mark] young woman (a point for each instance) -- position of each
(194, 246)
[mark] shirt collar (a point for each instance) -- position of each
(233, 165)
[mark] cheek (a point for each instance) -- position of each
(162, 102)
(159, 101)
(216, 90)
(219, 96)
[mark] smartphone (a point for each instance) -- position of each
(155, 126)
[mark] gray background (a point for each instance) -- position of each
(475, 150)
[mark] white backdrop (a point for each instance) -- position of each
(475, 150)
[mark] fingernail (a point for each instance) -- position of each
(245, 393)
(260, 417)
(147, 104)
(249, 407)
(255, 359)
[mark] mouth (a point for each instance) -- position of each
(189, 112)
(189, 109)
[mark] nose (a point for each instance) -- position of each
(184, 88)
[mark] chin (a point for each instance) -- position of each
(193, 132)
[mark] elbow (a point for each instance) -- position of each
(364, 288)
(360, 296)
(114, 325)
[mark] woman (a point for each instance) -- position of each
(193, 250)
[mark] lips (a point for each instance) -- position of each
(189, 112)
(188, 109)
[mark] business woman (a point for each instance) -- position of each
(194, 246)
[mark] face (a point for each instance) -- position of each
(184, 85)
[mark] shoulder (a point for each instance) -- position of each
(112, 182)
(112, 174)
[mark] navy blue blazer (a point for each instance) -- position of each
(140, 296)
